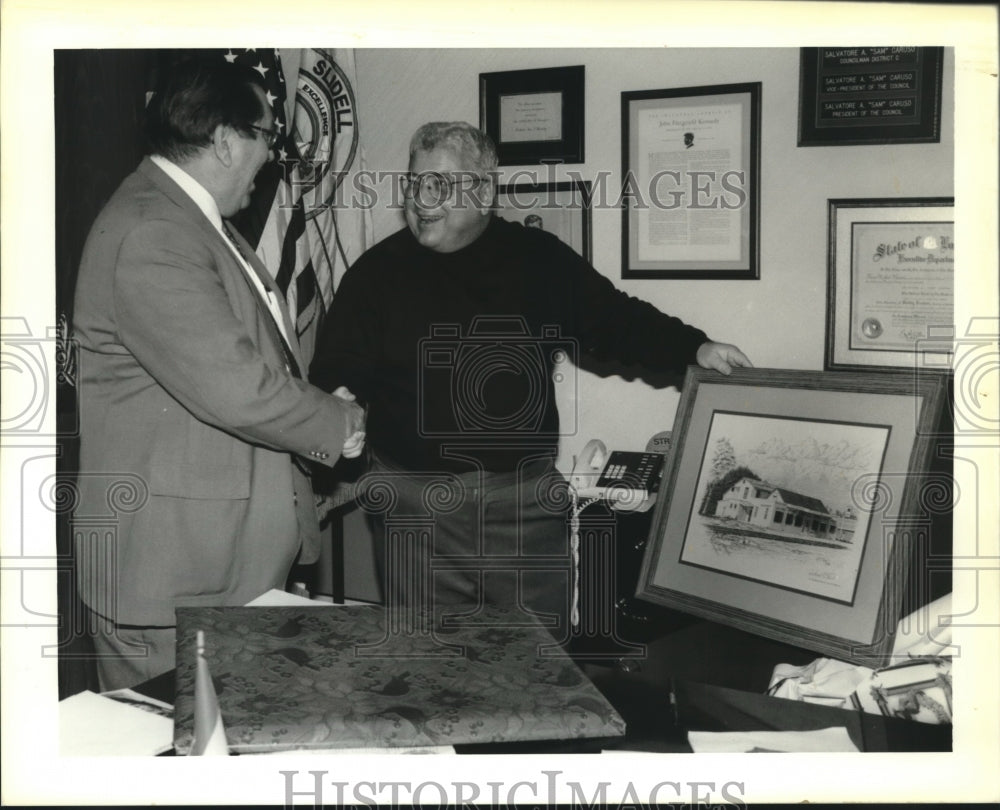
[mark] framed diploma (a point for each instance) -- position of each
(691, 182)
(534, 116)
(868, 95)
(559, 208)
(891, 283)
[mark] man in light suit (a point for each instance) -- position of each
(190, 393)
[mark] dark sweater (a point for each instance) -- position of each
(454, 352)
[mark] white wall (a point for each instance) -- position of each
(780, 319)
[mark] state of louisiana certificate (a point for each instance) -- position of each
(891, 285)
(902, 283)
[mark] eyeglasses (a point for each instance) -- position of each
(433, 188)
(270, 135)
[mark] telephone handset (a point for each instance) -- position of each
(588, 465)
(628, 481)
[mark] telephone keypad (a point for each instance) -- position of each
(642, 470)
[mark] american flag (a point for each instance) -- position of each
(304, 237)
(275, 222)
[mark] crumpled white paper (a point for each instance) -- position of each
(916, 685)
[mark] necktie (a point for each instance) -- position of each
(239, 249)
(290, 362)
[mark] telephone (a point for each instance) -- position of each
(628, 481)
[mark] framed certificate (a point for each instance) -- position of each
(691, 182)
(891, 283)
(866, 95)
(534, 116)
(560, 208)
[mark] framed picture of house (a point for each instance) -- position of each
(789, 502)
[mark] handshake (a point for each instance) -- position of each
(354, 444)
(356, 415)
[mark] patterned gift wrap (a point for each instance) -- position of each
(335, 677)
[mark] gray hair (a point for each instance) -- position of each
(473, 145)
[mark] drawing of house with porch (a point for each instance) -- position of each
(783, 511)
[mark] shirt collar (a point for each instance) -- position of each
(195, 190)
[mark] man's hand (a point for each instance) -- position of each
(722, 357)
(355, 442)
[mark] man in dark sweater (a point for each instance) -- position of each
(450, 331)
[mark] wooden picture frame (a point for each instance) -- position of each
(890, 284)
(560, 208)
(870, 95)
(691, 188)
(790, 501)
(534, 116)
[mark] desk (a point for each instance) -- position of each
(718, 675)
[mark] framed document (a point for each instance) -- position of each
(890, 298)
(559, 208)
(534, 116)
(865, 95)
(691, 182)
(790, 501)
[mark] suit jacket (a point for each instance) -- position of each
(187, 493)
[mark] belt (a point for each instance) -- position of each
(535, 468)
